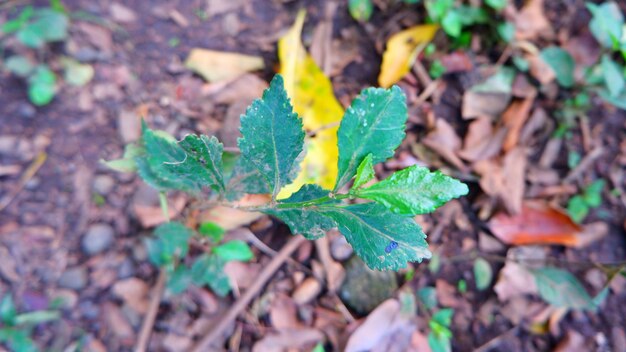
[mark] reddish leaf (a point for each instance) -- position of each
(537, 223)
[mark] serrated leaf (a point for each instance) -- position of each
(272, 136)
(312, 96)
(613, 76)
(373, 124)
(189, 165)
(562, 63)
(306, 221)
(245, 179)
(385, 241)
(235, 250)
(562, 289)
(414, 190)
(209, 270)
(364, 173)
(401, 52)
(482, 273)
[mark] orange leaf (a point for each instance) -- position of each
(537, 223)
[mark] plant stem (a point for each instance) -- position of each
(164, 208)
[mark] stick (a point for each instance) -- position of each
(211, 335)
(153, 308)
(26, 176)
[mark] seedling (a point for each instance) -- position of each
(380, 228)
(579, 205)
(16, 329)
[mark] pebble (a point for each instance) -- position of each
(126, 269)
(26, 110)
(89, 310)
(99, 238)
(73, 278)
(103, 184)
(340, 249)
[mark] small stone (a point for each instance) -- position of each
(26, 110)
(307, 291)
(340, 249)
(99, 238)
(122, 14)
(89, 310)
(103, 184)
(126, 270)
(364, 289)
(73, 278)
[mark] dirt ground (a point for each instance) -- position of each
(103, 296)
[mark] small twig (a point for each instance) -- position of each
(153, 308)
(26, 176)
(216, 331)
(427, 92)
(496, 340)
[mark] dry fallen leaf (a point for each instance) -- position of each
(283, 312)
(482, 141)
(380, 329)
(312, 96)
(150, 215)
(401, 52)
(514, 118)
(444, 140)
(504, 178)
(219, 65)
(134, 292)
(537, 223)
(539, 69)
(229, 218)
(289, 339)
(531, 22)
(514, 280)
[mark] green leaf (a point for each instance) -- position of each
(171, 242)
(235, 250)
(440, 335)
(273, 138)
(562, 63)
(41, 86)
(364, 173)
(211, 230)
(318, 348)
(179, 280)
(577, 208)
(606, 24)
(500, 82)
(613, 76)
(245, 179)
(373, 124)
(443, 317)
(19, 65)
(209, 270)
(189, 165)
(506, 30)
(37, 317)
(7, 310)
(452, 23)
(304, 220)
(496, 4)
(77, 74)
(20, 341)
(52, 24)
(128, 161)
(482, 273)
(361, 10)
(428, 296)
(414, 190)
(439, 342)
(14, 25)
(385, 241)
(593, 193)
(438, 8)
(562, 289)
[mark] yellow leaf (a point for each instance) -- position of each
(401, 52)
(218, 65)
(312, 96)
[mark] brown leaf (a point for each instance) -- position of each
(457, 61)
(121, 13)
(531, 22)
(289, 339)
(134, 293)
(482, 141)
(283, 312)
(446, 294)
(152, 215)
(382, 329)
(537, 223)
(476, 104)
(307, 291)
(444, 140)
(503, 178)
(539, 69)
(514, 280)
(573, 342)
(229, 218)
(514, 118)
